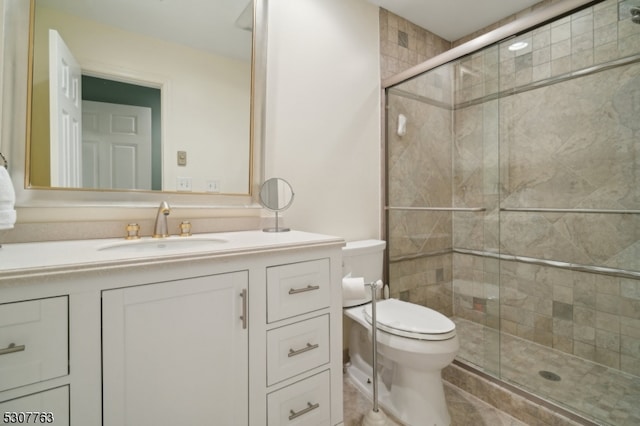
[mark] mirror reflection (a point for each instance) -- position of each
(276, 194)
(142, 95)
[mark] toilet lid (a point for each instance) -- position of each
(411, 320)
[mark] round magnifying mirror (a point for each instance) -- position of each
(276, 195)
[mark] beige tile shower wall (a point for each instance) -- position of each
(419, 165)
(476, 289)
(590, 37)
(595, 317)
(419, 175)
(425, 281)
(476, 177)
(504, 21)
(404, 44)
(595, 35)
(580, 153)
(571, 145)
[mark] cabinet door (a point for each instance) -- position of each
(176, 353)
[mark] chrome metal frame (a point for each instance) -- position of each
(601, 270)
(438, 209)
(552, 210)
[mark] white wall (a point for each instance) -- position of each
(323, 114)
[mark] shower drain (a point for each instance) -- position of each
(550, 376)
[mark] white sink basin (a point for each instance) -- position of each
(161, 245)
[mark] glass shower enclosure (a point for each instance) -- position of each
(513, 206)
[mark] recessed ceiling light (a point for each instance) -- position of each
(518, 45)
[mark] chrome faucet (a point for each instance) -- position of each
(161, 230)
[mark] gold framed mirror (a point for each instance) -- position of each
(199, 137)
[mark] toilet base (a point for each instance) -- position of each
(427, 409)
(410, 384)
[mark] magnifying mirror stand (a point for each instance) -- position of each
(276, 195)
(277, 227)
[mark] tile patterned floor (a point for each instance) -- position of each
(465, 409)
(606, 395)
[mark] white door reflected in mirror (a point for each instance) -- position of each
(116, 146)
(65, 94)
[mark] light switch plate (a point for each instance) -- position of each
(182, 158)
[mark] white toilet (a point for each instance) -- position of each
(414, 344)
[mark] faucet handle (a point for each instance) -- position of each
(132, 231)
(185, 229)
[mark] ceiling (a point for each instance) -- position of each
(454, 19)
(213, 25)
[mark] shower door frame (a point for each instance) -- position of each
(511, 30)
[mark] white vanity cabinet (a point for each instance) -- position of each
(176, 352)
(246, 335)
(34, 350)
(303, 356)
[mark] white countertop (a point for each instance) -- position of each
(24, 259)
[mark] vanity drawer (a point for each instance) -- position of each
(51, 405)
(305, 403)
(297, 288)
(297, 348)
(34, 341)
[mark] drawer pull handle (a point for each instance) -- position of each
(310, 407)
(11, 349)
(302, 290)
(243, 317)
(307, 348)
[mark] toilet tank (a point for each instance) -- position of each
(363, 259)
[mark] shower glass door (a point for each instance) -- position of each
(513, 206)
(442, 199)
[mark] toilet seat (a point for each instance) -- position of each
(410, 320)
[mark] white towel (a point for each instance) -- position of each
(7, 194)
(7, 200)
(7, 219)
